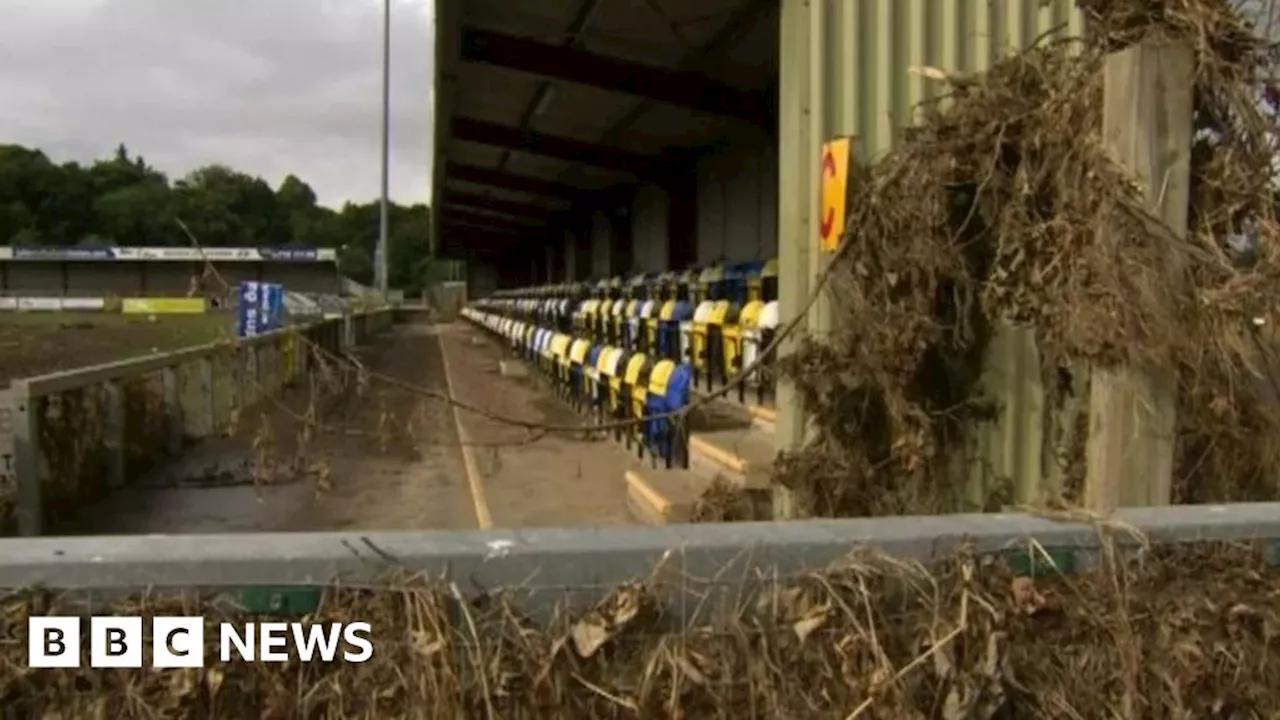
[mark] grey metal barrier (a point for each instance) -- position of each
(559, 569)
(79, 434)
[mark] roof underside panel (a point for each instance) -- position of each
(658, 32)
(752, 61)
(505, 97)
(663, 34)
(536, 19)
(578, 111)
(552, 169)
(474, 154)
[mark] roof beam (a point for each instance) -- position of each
(683, 88)
(587, 10)
(452, 213)
(566, 149)
(509, 181)
(506, 207)
(729, 34)
(487, 237)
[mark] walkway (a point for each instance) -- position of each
(531, 479)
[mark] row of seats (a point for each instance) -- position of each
(631, 391)
(718, 320)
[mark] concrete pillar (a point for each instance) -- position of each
(797, 204)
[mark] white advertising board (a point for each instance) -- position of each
(43, 304)
(83, 303)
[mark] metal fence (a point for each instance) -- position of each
(81, 433)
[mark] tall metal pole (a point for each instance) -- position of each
(380, 261)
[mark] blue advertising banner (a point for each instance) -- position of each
(273, 306)
(249, 309)
(260, 309)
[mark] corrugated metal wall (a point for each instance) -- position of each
(847, 69)
(868, 49)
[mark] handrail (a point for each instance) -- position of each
(549, 565)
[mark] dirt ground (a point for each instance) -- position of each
(553, 481)
(35, 343)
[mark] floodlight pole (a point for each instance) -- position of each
(380, 254)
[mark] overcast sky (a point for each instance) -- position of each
(269, 87)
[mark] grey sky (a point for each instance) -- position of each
(268, 86)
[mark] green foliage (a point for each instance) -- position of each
(121, 200)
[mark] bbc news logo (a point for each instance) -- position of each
(178, 642)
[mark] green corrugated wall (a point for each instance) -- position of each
(847, 69)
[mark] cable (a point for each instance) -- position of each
(786, 330)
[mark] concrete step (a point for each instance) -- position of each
(746, 412)
(658, 496)
(743, 457)
(718, 414)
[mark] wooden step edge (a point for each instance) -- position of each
(763, 413)
(652, 506)
(727, 459)
(765, 427)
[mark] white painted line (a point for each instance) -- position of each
(474, 481)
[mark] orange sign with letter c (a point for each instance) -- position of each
(834, 192)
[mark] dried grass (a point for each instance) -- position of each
(990, 213)
(1140, 637)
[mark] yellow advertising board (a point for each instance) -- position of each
(835, 188)
(163, 306)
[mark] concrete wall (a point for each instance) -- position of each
(649, 229)
(482, 280)
(153, 279)
(601, 246)
(737, 211)
(580, 237)
(736, 194)
(738, 204)
(570, 256)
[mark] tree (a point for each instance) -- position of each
(121, 200)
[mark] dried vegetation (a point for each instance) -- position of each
(1138, 636)
(1002, 207)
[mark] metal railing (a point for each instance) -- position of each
(565, 569)
(79, 434)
